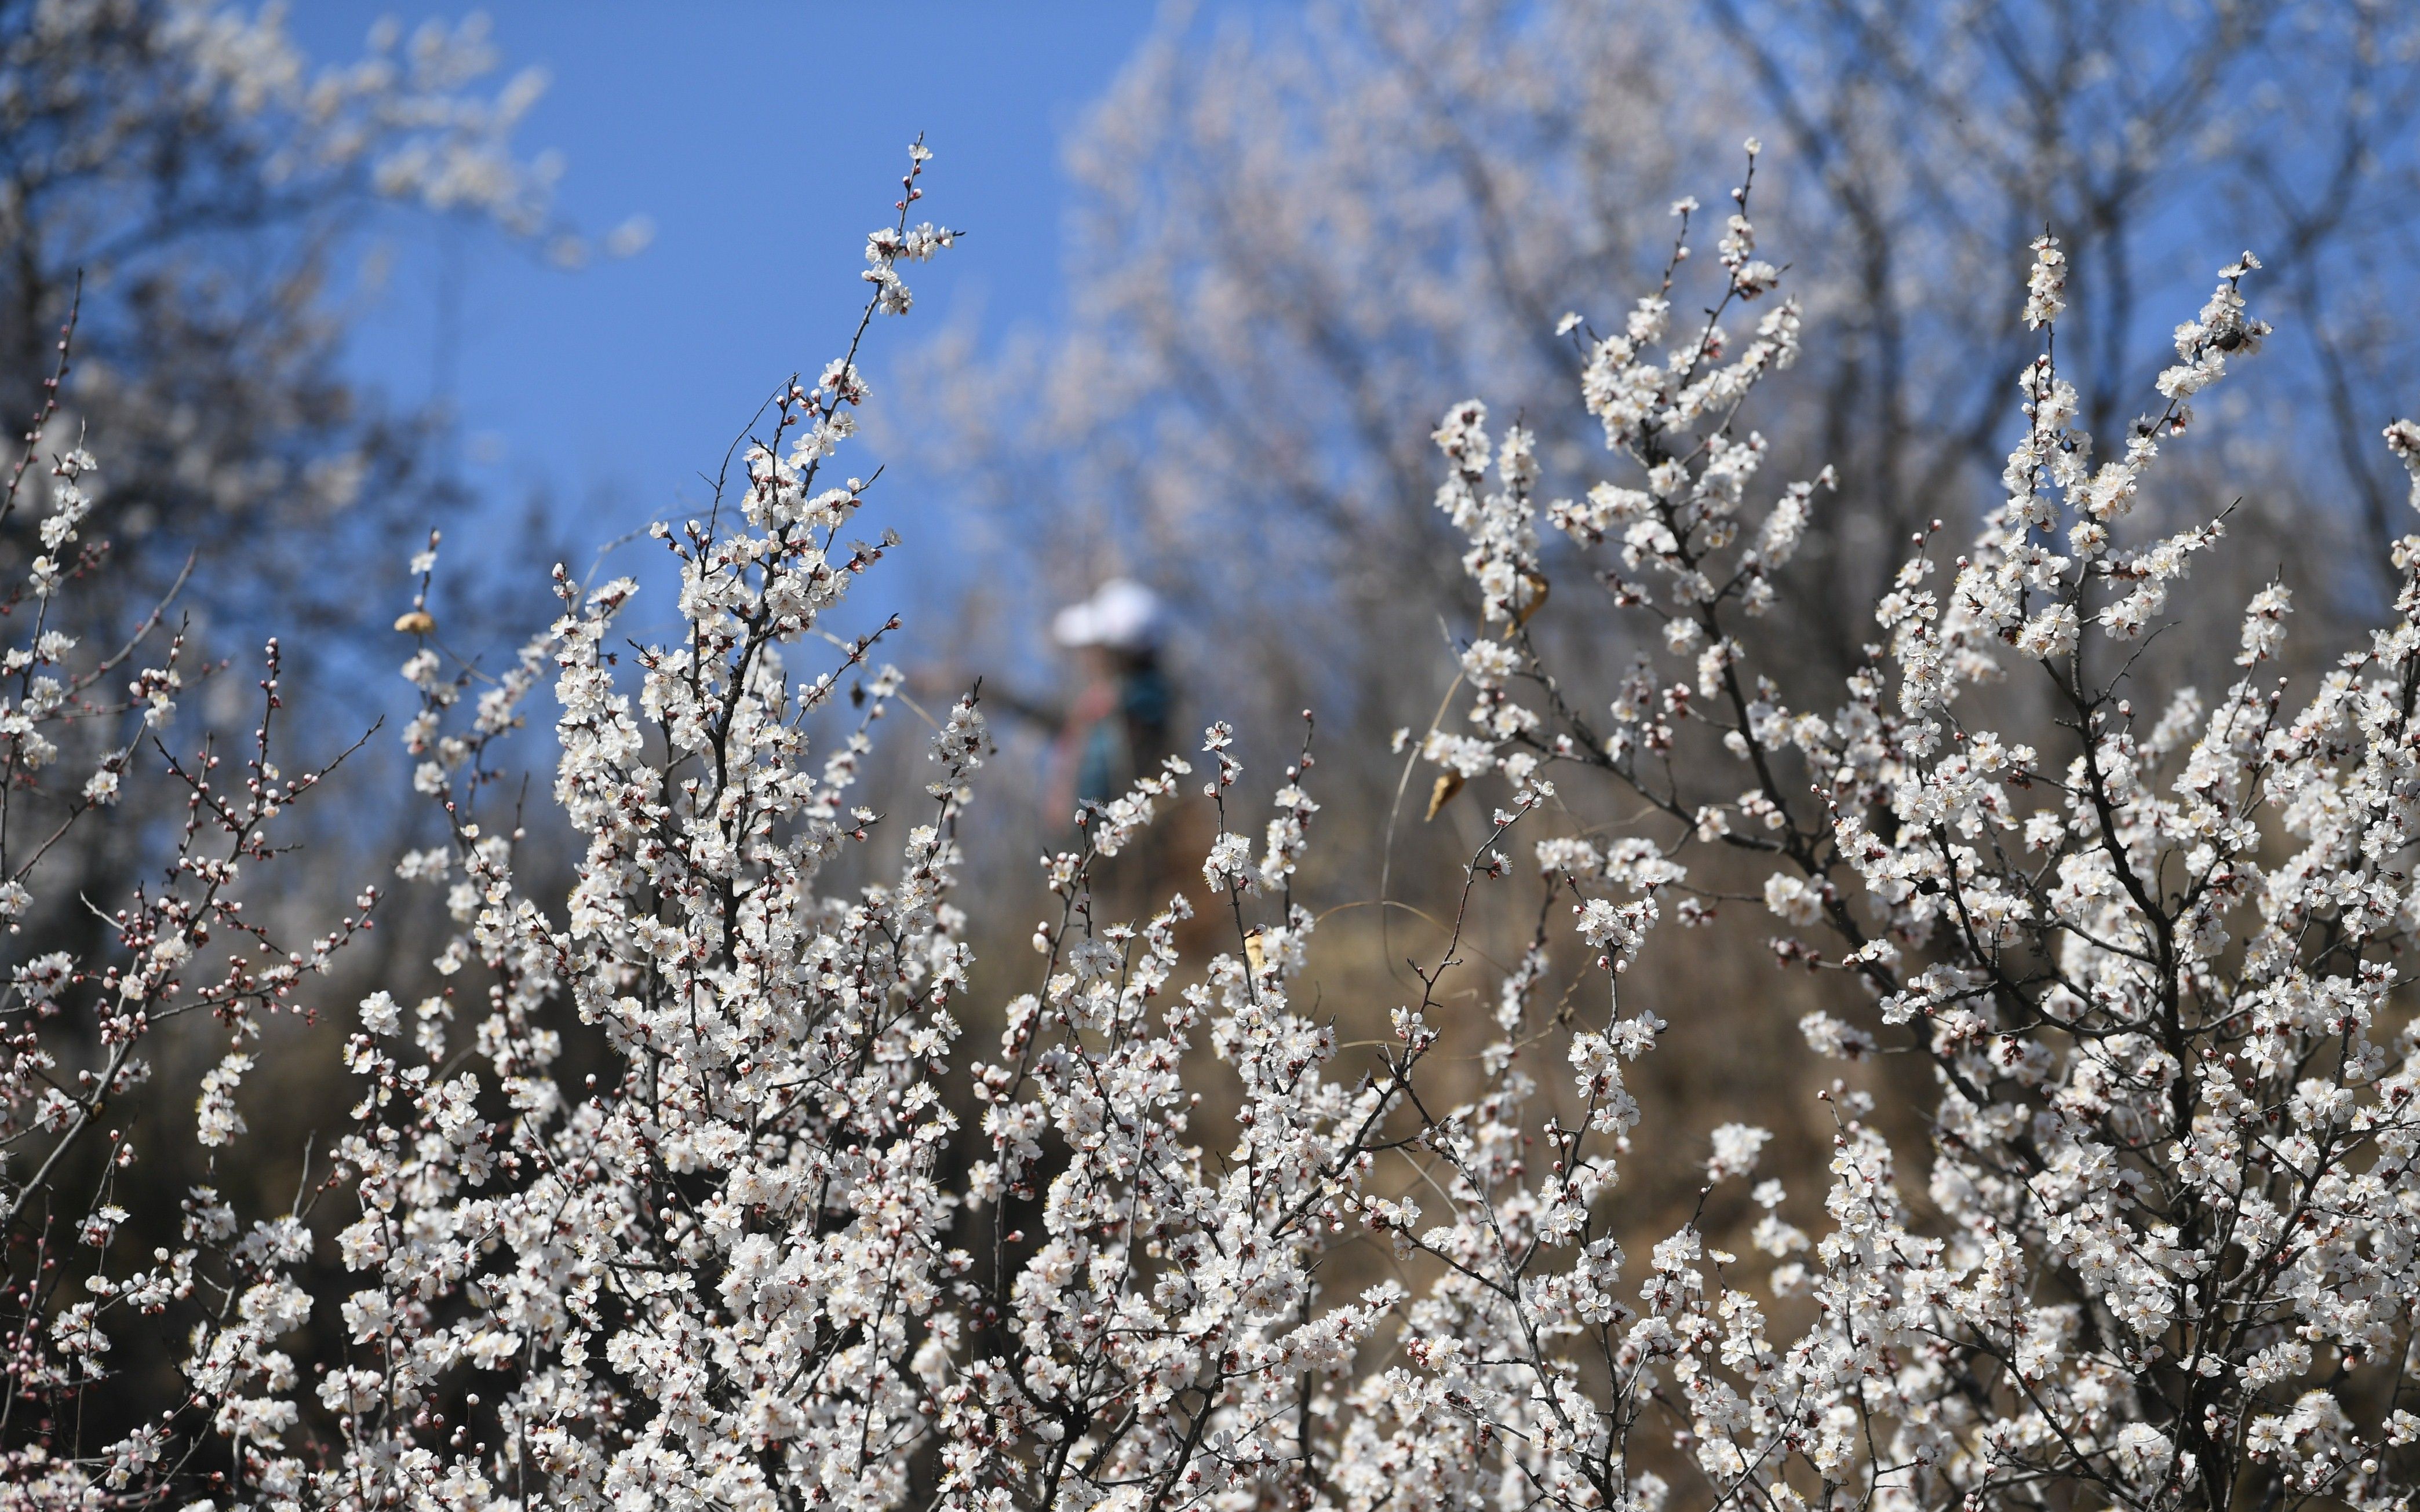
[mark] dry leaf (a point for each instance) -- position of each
(1536, 601)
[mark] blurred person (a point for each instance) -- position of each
(1119, 727)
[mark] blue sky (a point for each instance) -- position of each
(763, 141)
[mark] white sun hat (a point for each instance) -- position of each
(1121, 615)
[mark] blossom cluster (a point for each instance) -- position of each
(2161, 1253)
(79, 1027)
(797, 1241)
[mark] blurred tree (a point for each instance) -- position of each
(1300, 238)
(200, 176)
(199, 185)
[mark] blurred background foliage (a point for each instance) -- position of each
(1297, 238)
(1292, 239)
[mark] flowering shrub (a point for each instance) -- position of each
(2161, 1254)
